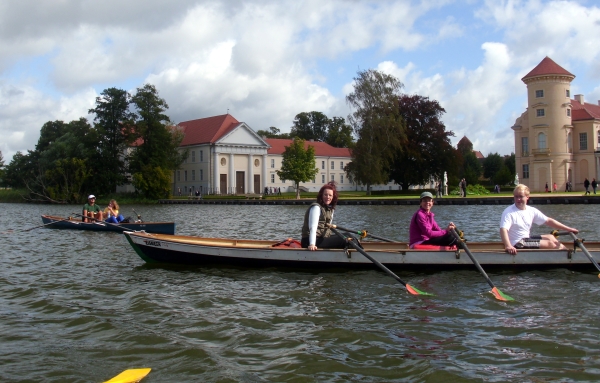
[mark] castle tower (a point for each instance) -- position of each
(544, 132)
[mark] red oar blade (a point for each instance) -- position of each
(500, 295)
(415, 291)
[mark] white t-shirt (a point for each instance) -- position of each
(518, 222)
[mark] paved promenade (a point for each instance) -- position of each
(574, 198)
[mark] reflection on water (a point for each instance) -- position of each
(81, 307)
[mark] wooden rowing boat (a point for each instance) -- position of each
(77, 224)
(178, 249)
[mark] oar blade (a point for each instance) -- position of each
(500, 295)
(130, 376)
(415, 291)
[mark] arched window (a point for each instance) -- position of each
(541, 141)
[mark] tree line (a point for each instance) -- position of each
(392, 137)
(74, 159)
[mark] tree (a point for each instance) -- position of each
(310, 126)
(428, 151)
(113, 123)
(503, 176)
(472, 168)
(1, 168)
(273, 132)
(492, 165)
(298, 164)
(339, 134)
(511, 164)
(378, 125)
(158, 152)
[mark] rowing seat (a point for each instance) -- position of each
(289, 243)
(435, 247)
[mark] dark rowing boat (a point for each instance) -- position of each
(77, 224)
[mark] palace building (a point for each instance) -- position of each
(557, 137)
(226, 156)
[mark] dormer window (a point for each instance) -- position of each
(539, 93)
(540, 112)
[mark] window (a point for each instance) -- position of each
(568, 93)
(332, 165)
(179, 175)
(341, 178)
(598, 145)
(323, 178)
(185, 175)
(193, 156)
(201, 175)
(540, 112)
(539, 93)
(314, 180)
(341, 165)
(526, 171)
(541, 141)
(570, 143)
(272, 163)
(524, 146)
(322, 164)
(582, 141)
(193, 175)
(273, 178)
(333, 177)
(200, 155)
(568, 112)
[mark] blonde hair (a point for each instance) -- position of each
(115, 204)
(522, 188)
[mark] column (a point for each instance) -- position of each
(264, 175)
(216, 182)
(231, 185)
(250, 188)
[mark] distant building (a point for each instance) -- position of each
(556, 138)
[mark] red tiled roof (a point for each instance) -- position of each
(586, 111)
(322, 149)
(547, 66)
(478, 154)
(207, 130)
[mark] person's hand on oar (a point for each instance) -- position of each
(495, 291)
(577, 242)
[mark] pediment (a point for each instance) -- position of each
(242, 135)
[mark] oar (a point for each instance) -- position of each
(106, 223)
(578, 243)
(139, 217)
(47, 224)
(130, 376)
(409, 288)
(363, 233)
(495, 291)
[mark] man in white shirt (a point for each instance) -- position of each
(516, 222)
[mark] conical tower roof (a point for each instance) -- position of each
(547, 67)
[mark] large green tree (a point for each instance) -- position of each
(427, 151)
(157, 153)
(114, 126)
(310, 126)
(273, 132)
(339, 133)
(492, 165)
(298, 164)
(378, 126)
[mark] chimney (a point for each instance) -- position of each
(579, 98)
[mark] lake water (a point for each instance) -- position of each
(82, 306)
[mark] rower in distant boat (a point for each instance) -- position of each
(423, 228)
(516, 221)
(91, 211)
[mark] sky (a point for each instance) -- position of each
(266, 61)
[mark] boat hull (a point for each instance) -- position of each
(77, 224)
(188, 250)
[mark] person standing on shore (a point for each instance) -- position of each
(586, 185)
(594, 185)
(516, 222)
